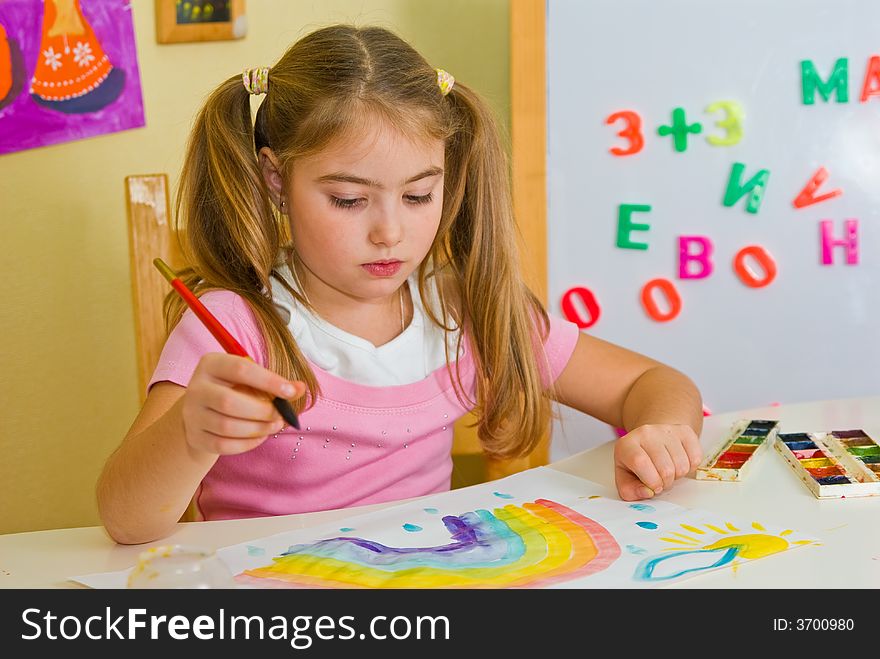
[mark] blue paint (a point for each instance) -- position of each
(645, 569)
(647, 525)
(432, 511)
(632, 549)
(412, 528)
(346, 529)
(833, 480)
(255, 551)
(501, 495)
(642, 507)
(800, 446)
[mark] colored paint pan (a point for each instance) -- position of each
(831, 468)
(733, 457)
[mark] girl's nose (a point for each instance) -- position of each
(386, 230)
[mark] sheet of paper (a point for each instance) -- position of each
(537, 529)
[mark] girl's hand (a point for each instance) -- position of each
(227, 407)
(649, 458)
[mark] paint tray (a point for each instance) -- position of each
(745, 441)
(833, 465)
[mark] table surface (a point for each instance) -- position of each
(849, 529)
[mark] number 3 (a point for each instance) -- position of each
(731, 124)
(632, 132)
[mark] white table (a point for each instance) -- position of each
(849, 556)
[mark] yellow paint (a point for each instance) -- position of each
(816, 462)
(692, 541)
(692, 529)
(553, 545)
(758, 527)
(752, 545)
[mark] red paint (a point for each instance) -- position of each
(809, 454)
(731, 455)
(824, 472)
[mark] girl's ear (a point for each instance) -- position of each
(271, 170)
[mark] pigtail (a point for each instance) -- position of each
(505, 322)
(230, 233)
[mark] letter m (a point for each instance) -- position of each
(837, 82)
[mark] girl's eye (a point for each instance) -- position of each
(345, 203)
(420, 199)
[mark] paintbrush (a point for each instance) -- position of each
(224, 338)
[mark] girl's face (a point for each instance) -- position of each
(364, 213)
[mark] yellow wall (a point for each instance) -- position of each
(67, 348)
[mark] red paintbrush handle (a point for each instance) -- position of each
(220, 333)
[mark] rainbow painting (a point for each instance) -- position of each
(499, 535)
(533, 545)
(540, 528)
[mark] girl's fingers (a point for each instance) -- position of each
(227, 427)
(679, 458)
(243, 371)
(642, 469)
(663, 463)
(240, 403)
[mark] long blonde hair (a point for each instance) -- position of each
(323, 88)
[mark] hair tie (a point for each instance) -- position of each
(256, 81)
(444, 81)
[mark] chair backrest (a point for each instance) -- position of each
(151, 235)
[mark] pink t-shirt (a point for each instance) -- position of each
(357, 445)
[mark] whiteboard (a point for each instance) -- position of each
(811, 333)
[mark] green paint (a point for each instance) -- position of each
(863, 451)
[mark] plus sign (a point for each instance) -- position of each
(679, 130)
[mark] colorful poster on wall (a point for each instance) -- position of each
(68, 71)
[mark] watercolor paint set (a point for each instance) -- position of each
(837, 464)
(746, 439)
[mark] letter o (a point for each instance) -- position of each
(672, 297)
(764, 260)
(573, 314)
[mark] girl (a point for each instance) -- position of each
(357, 238)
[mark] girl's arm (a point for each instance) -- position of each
(149, 480)
(659, 406)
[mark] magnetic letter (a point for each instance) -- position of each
(754, 187)
(850, 243)
(626, 226)
(764, 260)
(571, 312)
(808, 196)
(703, 257)
(631, 132)
(838, 82)
(672, 298)
(871, 87)
(732, 123)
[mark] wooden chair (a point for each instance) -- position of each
(151, 235)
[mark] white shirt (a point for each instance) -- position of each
(409, 357)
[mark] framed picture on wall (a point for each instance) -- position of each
(199, 20)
